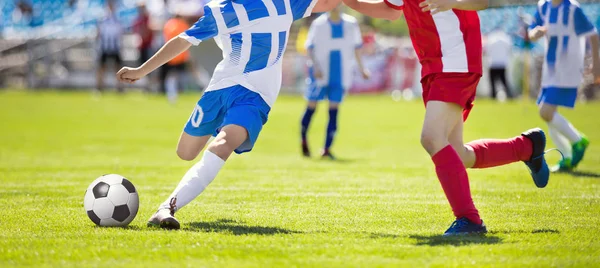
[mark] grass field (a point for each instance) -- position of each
(379, 205)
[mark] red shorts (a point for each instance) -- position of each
(459, 88)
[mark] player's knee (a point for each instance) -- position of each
(312, 105)
(546, 114)
(221, 148)
(186, 155)
(430, 141)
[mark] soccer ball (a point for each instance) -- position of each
(111, 200)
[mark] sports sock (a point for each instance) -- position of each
(561, 142)
(331, 127)
(565, 128)
(492, 153)
(195, 180)
(306, 122)
(454, 180)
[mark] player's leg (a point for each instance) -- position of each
(502, 74)
(311, 107)
(314, 94)
(549, 100)
(440, 120)
(493, 77)
(171, 84)
(335, 95)
(100, 72)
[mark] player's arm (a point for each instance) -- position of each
(436, 6)
(375, 9)
(169, 51)
(537, 29)
(314, 63)
(595, 44)
(364, 71)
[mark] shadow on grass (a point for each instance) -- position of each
(464, 240)
(535, 231)
(584, 174)
(236, 228)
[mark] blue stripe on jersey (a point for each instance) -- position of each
(553, 14)
(256, 9)
(566, 8)
(299, 8)
(280, 6)
(228, 13)
(259, 52)
(552, 46)
(282, 39)
(335, 68)
(205, 27)
(236, 47)
(337, 30)
(565, 44)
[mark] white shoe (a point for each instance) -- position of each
(164, 218)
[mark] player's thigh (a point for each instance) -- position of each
(440, 119)
(230, 137)
(190, 146)
(547, 111)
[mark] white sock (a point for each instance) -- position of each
(565, 128)
(171, 87)
(561, 142)
(195, 180)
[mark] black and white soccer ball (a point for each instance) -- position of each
(111, 200)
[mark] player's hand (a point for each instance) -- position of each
(436, 6)
(538, 32)
(317, 73)
(365, 74)
(129, 74)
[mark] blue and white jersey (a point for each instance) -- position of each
(334, 45)
(253, 35)
(565, 42)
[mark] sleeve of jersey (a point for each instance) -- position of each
(358, 41)
(310, 38)
(537, 20)
(302, 8)
(583, 26)
(395, 4)
(205, 28)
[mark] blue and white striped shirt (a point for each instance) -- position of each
(565, 44)
(253, 35)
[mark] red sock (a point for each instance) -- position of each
(492, 153)
(454, 179)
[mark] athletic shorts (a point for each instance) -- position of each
(558, 96)
(318, 93)
(105, 56)
(234, 105)
(459, 88)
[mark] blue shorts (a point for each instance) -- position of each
(318, 93)
(234, 105)
(558, 96)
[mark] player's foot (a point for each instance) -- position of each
(579, 150)
(305, 150)
(326, 154)
(537, 163)
(464, 226)
(562, 166)
(163, 219)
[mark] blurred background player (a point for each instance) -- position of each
(565, 26)
(333, 45)
(172, 72)
(110, 33)
(499, 50)
(141, 27)
(447, 38)
(253, 36)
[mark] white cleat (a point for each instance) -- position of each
(163, 218)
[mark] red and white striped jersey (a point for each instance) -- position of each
(447, 42)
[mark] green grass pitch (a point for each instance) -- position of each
(379, 205)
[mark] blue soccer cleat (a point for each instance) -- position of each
(464, 226)
(537, 163)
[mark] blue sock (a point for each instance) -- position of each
(331, 127)
(306, 122)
